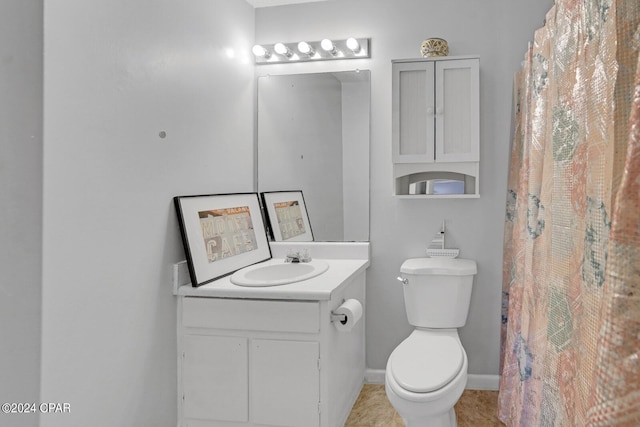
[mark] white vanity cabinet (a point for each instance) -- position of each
(436, 131)
(267, 361)
(242, 357)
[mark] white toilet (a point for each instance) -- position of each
(427, 373)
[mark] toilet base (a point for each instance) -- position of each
(430, 409)
(442, 420)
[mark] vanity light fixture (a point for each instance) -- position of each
(282, 49)
(261, 52)
(305, 51)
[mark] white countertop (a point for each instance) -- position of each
(316, 288)
(351, 260)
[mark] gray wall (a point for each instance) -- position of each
(20, 204)
(117, 74)
(498, 31)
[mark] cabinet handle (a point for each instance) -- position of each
(430, 111)
(439, 111)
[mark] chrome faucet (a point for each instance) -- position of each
(298, 256)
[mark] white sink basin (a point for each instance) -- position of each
(277, 272)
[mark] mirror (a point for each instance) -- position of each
(313, 135)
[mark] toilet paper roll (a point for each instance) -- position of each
(352, 309)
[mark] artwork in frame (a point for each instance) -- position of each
(221, 233)
(287, 216)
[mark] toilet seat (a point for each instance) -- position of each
(426, 361)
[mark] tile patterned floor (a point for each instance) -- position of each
(372, 409)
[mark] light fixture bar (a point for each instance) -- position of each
(306, 51)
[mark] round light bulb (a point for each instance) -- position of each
(260, 51)
(281, 49)
(305, 48)
(327, 45)
(353, 44)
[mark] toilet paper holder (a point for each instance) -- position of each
(347, 315)
(339, 317)
(335, 317)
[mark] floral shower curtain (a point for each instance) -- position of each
(571, 270)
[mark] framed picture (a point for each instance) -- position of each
(221, 233)
(287, 216)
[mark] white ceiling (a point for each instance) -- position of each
(267, 3)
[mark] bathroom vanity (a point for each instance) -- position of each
(271, 356)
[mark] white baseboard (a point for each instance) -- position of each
(374, 376)
(474, 382)
(483, 382)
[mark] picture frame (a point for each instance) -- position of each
(221, 234)
(287, 216)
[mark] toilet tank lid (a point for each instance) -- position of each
(440, 266)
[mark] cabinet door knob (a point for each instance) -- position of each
(439, 111)
(430, 110)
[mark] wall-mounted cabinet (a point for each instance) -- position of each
(436, 126)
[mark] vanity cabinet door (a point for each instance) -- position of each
(215, 378)
(285, 382)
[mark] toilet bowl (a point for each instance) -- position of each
(427, 373)
(425, 376)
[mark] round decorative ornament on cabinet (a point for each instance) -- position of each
(434, 47)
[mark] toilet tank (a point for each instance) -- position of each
(437, 291)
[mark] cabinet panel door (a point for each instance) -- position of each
(457, 111)
(285, 382)
(215, 378)
(413, 112)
